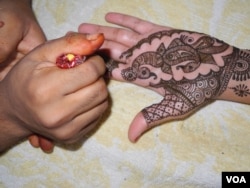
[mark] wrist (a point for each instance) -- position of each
(237, 92)
(11, 131)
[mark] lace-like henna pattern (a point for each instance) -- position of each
(190, 55)
(171, 105)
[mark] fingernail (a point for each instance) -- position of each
(48, 151)
(92, 36)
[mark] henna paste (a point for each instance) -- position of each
(241, 90)
(190, 61)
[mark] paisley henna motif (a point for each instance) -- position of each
(183, 49)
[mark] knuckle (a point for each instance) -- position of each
(39, 93)
(103, 107)
(96, 65)
(49, 119)
(102, 88)
(63, 136)
(105, 92)
(51, 116)
(100, 92)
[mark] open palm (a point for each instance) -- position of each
(188, 69)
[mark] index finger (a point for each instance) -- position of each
(118, 35)
(136, 24)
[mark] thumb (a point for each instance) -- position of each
(76, 43)
(137, 127)
(170, 108)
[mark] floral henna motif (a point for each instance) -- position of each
(241, 90)
(186, 66)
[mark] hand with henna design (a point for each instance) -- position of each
(188, 69)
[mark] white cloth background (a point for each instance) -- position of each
(186, 153)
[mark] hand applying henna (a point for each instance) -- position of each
(188, 69)
(66, 61)
(54, 103)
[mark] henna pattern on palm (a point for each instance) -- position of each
(184, 67)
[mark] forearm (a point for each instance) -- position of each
(10, 135)
(11, 131)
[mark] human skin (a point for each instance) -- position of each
(61, 105)
(17, 18)
(189, 69)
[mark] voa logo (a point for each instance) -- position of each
(236, 179)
